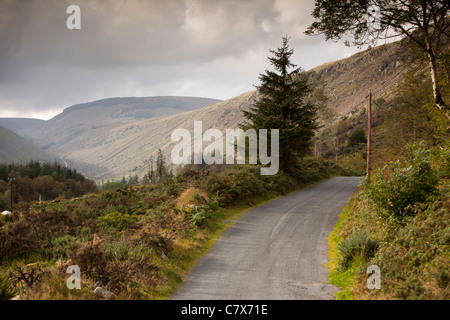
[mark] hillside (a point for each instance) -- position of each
(15, 148)
(122, 150)
(349, 81)
(113, 137)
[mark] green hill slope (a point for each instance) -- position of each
(15, 148)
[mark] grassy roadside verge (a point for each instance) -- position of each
(399, 222)
(344, 280)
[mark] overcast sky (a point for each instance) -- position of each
(204, 48)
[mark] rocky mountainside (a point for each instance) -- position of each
(349, 81)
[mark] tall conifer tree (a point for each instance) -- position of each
(283, 104)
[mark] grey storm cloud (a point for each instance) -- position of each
(141, 48)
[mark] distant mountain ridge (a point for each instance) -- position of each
(73, 128)
(108, 113)
(19, 124)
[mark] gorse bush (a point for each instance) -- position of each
(410, 182)
(116, 221)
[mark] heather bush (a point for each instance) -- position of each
(92, 261)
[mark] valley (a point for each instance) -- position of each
(141, 230)
(113, 138)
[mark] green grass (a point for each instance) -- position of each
(344, 280)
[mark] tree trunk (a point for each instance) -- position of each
(436, 88)
(369, 136)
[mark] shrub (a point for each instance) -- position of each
(92, 261)
(113, 186)
(6, 291)
(28, 275)
(358, 137)
(116, 221)
(200, 216)
(359, 245)
(411, 288)
(16, 240)
(443, 279)
(119, 249)
(355, 164)
(155, 237)
(411, 182)
(60, 246)
(85, 234)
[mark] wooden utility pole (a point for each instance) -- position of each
(369, 135)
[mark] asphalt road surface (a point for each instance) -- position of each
(276, 251)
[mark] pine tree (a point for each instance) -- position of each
(161, 169)
(145, 179)
(151, 172)
(284, 105)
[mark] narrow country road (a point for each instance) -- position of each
(274, 252)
